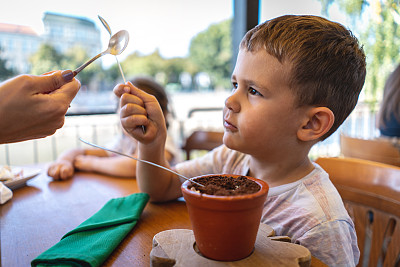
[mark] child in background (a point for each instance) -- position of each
(296, 80)
(389, 113)
(98, 160)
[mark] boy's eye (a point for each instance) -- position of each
(234, 86)
(253, 91)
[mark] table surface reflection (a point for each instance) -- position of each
(40, 213)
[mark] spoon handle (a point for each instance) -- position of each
(84, 65)
(141, 160)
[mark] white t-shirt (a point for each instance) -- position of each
(310, 211)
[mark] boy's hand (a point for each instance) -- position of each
(139, 108)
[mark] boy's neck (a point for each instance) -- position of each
(285, 172)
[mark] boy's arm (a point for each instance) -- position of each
(139, 108)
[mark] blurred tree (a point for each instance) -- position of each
(377, 21)
(113, 74)
(137, 64)
(75, 57)
(45, 59)
(210, 52)
(174, 67)
(154, 64)
(5, 72)
(48, 59)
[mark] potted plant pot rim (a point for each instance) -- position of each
(239, 201)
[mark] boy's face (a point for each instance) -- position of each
(260, 116)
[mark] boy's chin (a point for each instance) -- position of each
(232, 146)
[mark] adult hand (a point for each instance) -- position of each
(35, 106)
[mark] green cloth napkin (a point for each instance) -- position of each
(93, 241)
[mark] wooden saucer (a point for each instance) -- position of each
(178, 248)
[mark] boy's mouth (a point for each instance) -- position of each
(229, 126)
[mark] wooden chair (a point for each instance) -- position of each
(379, 150)
(202, 140)
(371, 193)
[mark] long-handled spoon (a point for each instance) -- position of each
(108, 28)
(116, 46)
(141, 160)
(105, 24)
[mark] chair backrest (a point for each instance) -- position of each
(371, 194)
(202, 140)
(379, 150)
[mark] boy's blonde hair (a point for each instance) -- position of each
(327, 64)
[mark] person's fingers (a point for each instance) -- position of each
(131, 122)
(127, 99)
(48, 73)
(141, 94)
(53, 171)
(67, 91)
(55, 80)
(66, 172)
(121, 89)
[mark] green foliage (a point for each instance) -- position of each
(353, 7)
(211, 52)
(136, 64)
(380, 37)
(45, 59)
(75, 57)
(154, 64)
(48, 59)
(5, 72)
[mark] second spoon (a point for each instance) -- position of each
(141, 160)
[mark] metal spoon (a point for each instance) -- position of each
(108, 28)
(141, 160)
(116, 46)
(105, 24)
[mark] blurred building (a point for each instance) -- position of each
(17, 44)
(65, 32)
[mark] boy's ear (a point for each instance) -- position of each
(318, 122)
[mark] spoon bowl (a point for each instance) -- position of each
(117, 44)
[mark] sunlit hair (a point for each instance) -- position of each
(327, 63)
(390, 105)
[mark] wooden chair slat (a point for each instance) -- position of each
(371, 194)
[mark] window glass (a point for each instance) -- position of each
(66, 35)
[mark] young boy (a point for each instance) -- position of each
(296, 80)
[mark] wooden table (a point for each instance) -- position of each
(40, 213)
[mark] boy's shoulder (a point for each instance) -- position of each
(304, 205)
(314, 195)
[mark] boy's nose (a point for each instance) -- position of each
(232, 103)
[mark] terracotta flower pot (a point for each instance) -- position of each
(225, 227)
